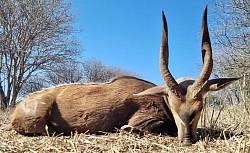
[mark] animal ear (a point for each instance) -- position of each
(154, 91)
(220, 83)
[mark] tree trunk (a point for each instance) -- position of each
(3, 99)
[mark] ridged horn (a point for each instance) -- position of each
(170, 82)
(207, 67)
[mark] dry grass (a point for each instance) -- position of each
(230, 133)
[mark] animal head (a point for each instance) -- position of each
(185, 96)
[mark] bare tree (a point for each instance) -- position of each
(34, 35)
(97, 71)
(232, 43)
(34, 83)
(69, 72)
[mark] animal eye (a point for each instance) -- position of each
(192, 116)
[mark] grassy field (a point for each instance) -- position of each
(220, 130)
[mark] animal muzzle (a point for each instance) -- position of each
(188, 138)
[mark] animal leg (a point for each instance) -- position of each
(148, 124)
(6, 127)
(155, 125)
(131, 129)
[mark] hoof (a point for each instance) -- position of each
(131, 129)
(5, 127)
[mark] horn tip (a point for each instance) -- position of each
(205, 14)
(205, 32)
(163, 16)
(162, 12)
(164, 21)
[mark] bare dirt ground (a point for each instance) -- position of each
(223, 130)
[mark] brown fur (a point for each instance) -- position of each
(93, 108)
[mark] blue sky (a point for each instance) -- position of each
(127, 34)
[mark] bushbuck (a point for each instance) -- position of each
(173, 108)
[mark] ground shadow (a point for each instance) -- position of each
(214, 133)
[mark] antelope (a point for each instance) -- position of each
(173, 108)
